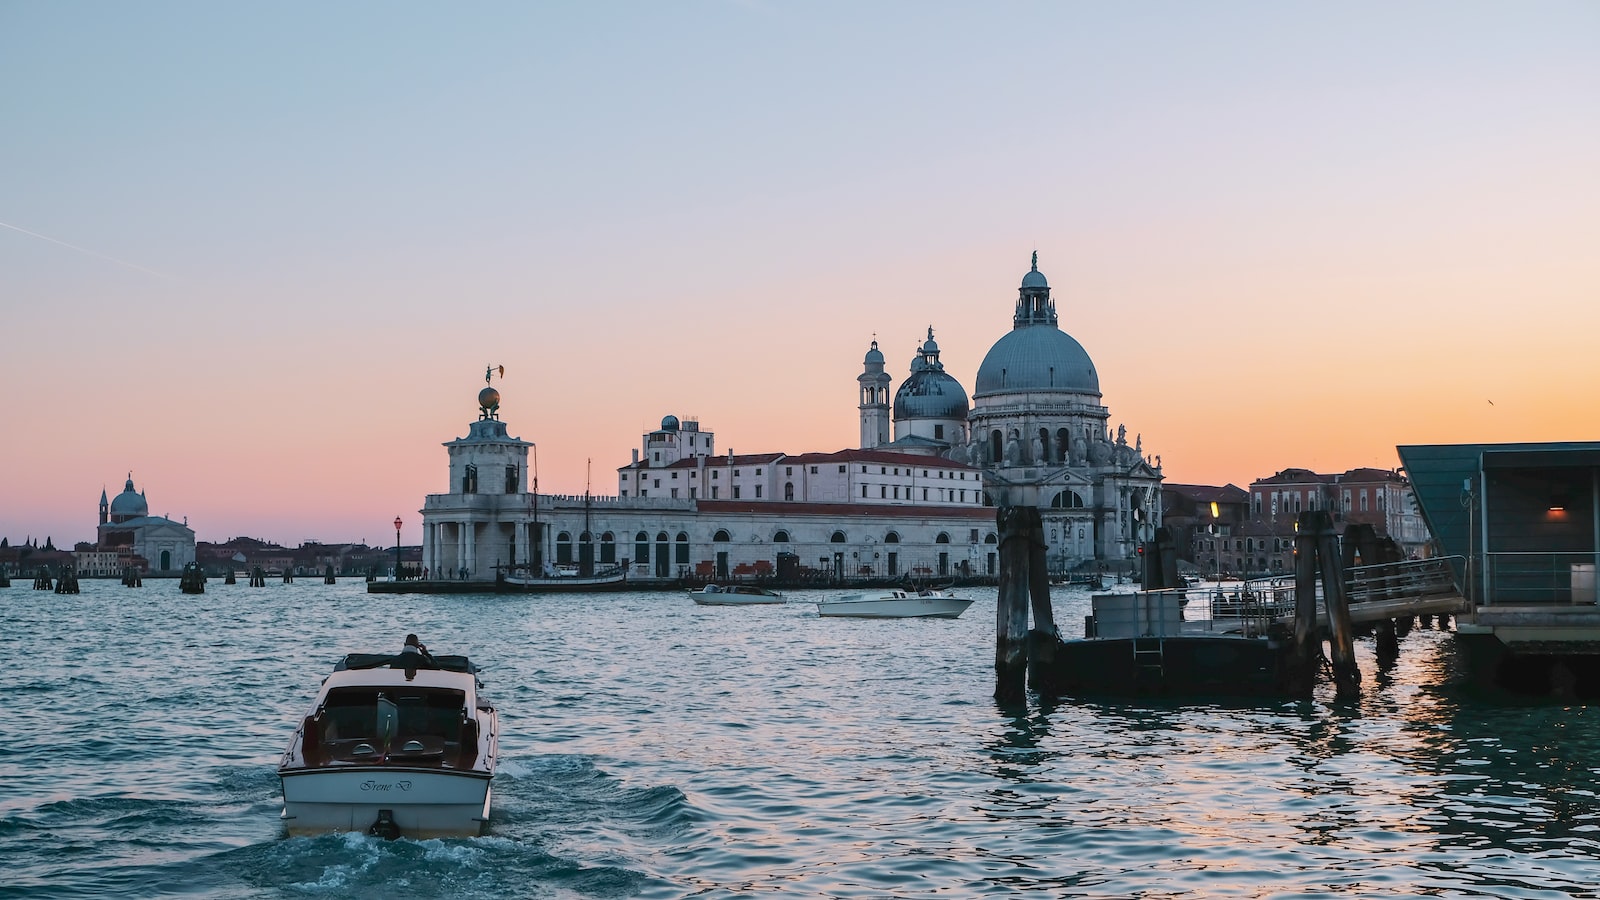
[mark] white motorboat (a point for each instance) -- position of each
(398, 745)
(896, 604)
(735, 595)
(516, 579)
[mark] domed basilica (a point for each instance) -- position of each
(1036, 429)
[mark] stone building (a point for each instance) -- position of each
(127, 528)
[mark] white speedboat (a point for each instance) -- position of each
(896, 604)
(735, 595)
(393, 747)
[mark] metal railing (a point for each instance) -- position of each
(1543, 579)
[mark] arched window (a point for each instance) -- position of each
(721, 536)
(641, 547)
(608, 548)
(788, 490)
(564, 549)
(1044, 447)
(1061, 445)
(838, 538)
(1067, 500)
(781, 537)
(997, 447)
(942, 538)
(991, 538)
(683, 549)
(891, 538)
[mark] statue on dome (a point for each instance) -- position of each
(1122, 434)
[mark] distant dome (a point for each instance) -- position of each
(874, 356)
(669, 423)
(1037, 359)
(489, 398)
(129, 504)
(930, 394)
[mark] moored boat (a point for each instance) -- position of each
(896, 604)
(519, 579)
(735, 595)
(399, 745)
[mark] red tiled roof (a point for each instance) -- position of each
(845, 510)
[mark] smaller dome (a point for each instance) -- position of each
(669, 423)
(489, 398)
(930, 346)
(1034, 278)
(874, 356)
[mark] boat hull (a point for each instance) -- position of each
(424, 803)
(895, 608)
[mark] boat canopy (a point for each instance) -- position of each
(405, 661)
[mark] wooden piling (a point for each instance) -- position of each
(42, 581)
(1341, 638)
(1307, 640)
(1017, 529)
(327, 576)
(258, 578)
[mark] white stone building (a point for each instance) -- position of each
(920, 504)
(128, 529)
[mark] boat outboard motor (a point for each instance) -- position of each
(384, 826)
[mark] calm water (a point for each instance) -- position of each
(654, 748)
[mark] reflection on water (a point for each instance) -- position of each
(654, 748)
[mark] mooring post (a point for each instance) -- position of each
(1341, 639)
(1011, 608)
(1307, 641)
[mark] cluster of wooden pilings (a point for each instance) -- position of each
(1319, 560)
(42, 581)
(132, 577)
(68, 582)
(5, 578)
(193, 580)
(258, 578)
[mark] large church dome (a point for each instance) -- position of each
(129, 504)
(1036, 356)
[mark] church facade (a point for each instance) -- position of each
(128, 529)
(914, 499)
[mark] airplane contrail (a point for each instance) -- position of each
(120, 262)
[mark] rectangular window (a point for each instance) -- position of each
(863, 490)
(841, 470)
(657, 483)
(938, 432)
(713, 492)
(758, 492)
(715, 473)
(883, 470)
(622, 493)
(897, 492)
(788, 470)
(674, 493)
(736, 492)
(813, 470)
(863, 470)
(924, 493)
(511, 479)
(469, 480)
(674, 476)
(643, 492)
(963, 496)
(883, 492)
(758, 471)
(973, 537)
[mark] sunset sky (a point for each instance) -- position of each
(260, 254)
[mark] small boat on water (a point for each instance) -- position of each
(735, 595)
(395, 746)
(518, 579)
(896, 604)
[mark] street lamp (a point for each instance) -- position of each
(396, 548)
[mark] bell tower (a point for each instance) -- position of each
(874, 383)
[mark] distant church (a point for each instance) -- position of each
(127, 527)
(917, 502)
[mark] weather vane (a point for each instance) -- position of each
(491, 371)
